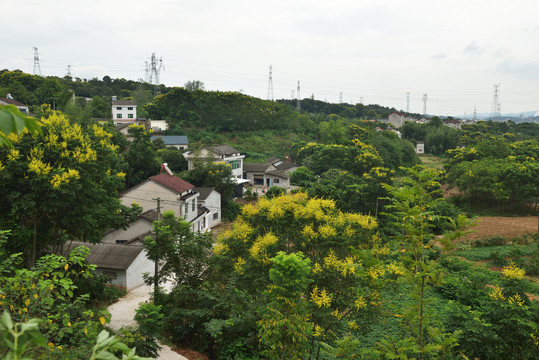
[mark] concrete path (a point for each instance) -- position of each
(123, 312)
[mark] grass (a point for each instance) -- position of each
(486, 253)
(432, 162)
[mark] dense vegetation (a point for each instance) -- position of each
(359, 264)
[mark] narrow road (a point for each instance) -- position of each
(123, 312)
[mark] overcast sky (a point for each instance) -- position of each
(377, 50)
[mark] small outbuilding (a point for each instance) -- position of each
(125, 264)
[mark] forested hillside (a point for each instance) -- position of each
(367, 261)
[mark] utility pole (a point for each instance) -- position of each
(270, 85)
(298, 104)
(37, 68)
(156, 268)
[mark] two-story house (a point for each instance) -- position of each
(224, 153)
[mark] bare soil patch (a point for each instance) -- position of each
(502, 226)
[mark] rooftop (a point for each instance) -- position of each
(111, 256)
(172, 182)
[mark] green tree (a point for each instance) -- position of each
(140, 157)
(193, 85)
(60, 184)
(285, 328)
(181, 253)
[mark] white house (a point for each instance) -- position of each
(125, 264)
(168, 192)
(210, 200)
(10, 101)
(267, 174)
(124, 110)
(158, 126)
(224, 153)
(453, 123)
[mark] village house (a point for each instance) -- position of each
(420, 147)
(124, 264)
(274, 172)
(218, 153)
(453, 123)
(8, 100)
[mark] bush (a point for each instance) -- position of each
(275, 191)
(497, 258)
(146, 345)
(230, 210)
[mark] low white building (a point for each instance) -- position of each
(420, 147)
(124, 264)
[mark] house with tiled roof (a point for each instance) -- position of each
(224, 153)
(179, 142)
(10, 101)
(274, 172)
(123, 264)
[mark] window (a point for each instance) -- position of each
(112, 274)
(130, 116)
(118, 116)
(275, 181)
(215, 216)
(235, 164)
(121, 241)
(193, 206)
(129, 108)
(119, 108)
(186, 208)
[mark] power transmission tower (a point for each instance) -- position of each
(340, 98)
(37, 68)
(270, 85)
(298, 104)
(68, 71)
(474, 113)
(496, 106)
(425, 104)
(292, 94)
(407, 102)
(155, 69)
(361, 100)
(146, 72)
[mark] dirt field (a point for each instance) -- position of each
(503, 226)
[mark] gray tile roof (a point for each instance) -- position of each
(279, 173)
(124, 102)
(254, 167)
(285, 166)
(111, 256)
(173, 139)
(204, 192)
(223, 150)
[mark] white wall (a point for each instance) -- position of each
(123, 110)
(120, 280)
(213, 203)
(134, 273)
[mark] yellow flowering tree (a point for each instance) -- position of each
(59, 184)
(339, 246)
